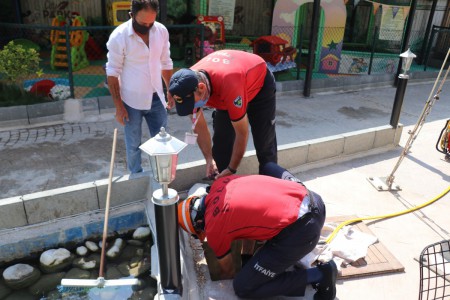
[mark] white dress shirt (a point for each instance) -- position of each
(137, 66)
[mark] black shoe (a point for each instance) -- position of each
(326, 289)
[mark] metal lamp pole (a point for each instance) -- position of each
(407, 58)
(167, 238)
(387, 183)
(163, 150)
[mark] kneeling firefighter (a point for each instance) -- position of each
(284, 213)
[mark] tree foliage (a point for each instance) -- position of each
(16, 61)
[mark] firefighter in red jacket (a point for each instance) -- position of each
(284, 213)
(241, 89)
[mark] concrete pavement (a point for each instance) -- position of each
(422, 175)
(51, 156)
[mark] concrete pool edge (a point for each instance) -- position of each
(38, 209)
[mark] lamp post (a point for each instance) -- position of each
(407, 58)
(387, 183)
(163, 150)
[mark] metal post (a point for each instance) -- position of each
(18, 9)
(69, 60)
(427, 31)
(375, 31)
(398, 100)
(166, 220)
(104, 13)
(312, 48)
(406, 36)
(430, 44)
(299, 54)
(163, 11)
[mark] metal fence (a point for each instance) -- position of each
(375, 53)
(437, 47)
(85, 49)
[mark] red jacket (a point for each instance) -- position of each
(253, 207)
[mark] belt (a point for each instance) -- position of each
(307, 205)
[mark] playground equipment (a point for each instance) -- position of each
(77, 41)
(214, 38)
(273, 49)
(118, 12)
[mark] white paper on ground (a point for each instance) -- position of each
(198, 189)
(348, 246)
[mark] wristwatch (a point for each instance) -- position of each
(231, 170)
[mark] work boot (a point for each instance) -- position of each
(326, 289)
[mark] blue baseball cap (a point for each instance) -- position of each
(182, 86)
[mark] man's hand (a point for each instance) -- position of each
(211, 169)
(170, 101)
(114, 89)
(240, 144)
(227, 270)
(121, 115)
(224, 173)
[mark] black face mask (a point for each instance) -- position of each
(140, 28)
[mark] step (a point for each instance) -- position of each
(63, 56)
(60, 64)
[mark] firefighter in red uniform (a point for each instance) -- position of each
(284, 213)
(242, 90)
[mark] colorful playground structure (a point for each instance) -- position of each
(77, 40)
(118, 12)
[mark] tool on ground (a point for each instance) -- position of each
(443, 143)
(385, 184)
(101, 282)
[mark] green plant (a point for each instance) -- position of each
(16, 61)
(13, 95)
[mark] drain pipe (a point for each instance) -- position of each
(163, 150)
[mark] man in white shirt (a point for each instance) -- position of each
(138, 55)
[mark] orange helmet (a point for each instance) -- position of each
(190, 216)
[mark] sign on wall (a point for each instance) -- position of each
(392, 23)
(223, 8)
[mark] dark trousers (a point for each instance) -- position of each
(261, 115)
(264, 275)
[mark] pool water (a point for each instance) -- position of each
(133, 260)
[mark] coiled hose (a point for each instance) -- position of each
(339, 227)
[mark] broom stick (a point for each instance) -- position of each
(100, 281)
(108, 198)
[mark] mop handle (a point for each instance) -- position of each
(108, 196)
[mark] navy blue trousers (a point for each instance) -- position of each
(265, 273)
(261, 115)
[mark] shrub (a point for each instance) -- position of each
(16, 61)
(12, 95)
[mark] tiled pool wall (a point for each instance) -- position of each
(69, 215)
(65, 232)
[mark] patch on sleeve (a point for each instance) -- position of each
(238, 102)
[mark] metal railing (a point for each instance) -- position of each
(85, 76)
